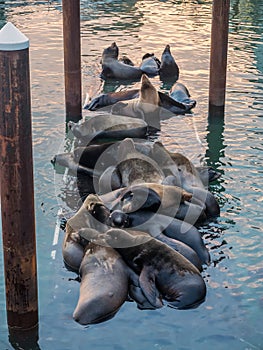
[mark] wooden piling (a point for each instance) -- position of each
(17, 191)
(72, 60)
(218, 57)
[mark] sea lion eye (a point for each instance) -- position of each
(128, 195)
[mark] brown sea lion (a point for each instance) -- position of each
(108, 99)
(185, 175)
(112, 68)
(154, 224)
(132, 167)
(103, 127)
(145, 107)
(164, 274)
(104, 285)
(168, 200)
(92, 214)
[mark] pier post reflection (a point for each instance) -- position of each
(26, 339)
(215, 137)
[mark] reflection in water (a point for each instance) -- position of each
(110, 16)
(215, 149)
(215, 141)
(24, 340)
(247, 13)
(247, 21)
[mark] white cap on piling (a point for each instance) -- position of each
(11, 39)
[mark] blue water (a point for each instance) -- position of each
(231, 316)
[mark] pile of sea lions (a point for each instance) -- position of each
(135, 237)
(177, 102)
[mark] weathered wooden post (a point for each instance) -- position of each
(72, 60)
(218, 57)
(17, 191)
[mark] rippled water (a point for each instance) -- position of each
(231, 317)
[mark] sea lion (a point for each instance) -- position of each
(147, 196)
(207, 174)
(126, 60)
(168, 200)
(166, 102)
(67, 160)
(164, 274)
(190, 180)
(169, 69)
(104, 281)
(112, 68)
(105, 100)
(104, 285)
(88, 156)
(104, 127)
(154, 224)
(181, 248)
(179, 92)
(108, 99)
(185, 175)
(83, 160)
(145, 107)
(150, 65)
(93, 214)
(132, 167)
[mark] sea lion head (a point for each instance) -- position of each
(140, 197)
(94, 205)
(148, 103)
(147, 55)
(167, 49)
(119, 219)
(111, 52)
(148, 92)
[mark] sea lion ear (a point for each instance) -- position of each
(186, 196)
(147, 284)
(90, 206)
(126, 146)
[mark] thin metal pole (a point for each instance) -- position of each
(17, 191)
(72, 60)
(218, 57)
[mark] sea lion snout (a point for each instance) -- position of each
(75, 129)
(118, 219)
(71, 124)
(53, 160)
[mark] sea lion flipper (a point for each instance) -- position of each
(126, 146)
(89, 234)
(166, 100)
(147, 284)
